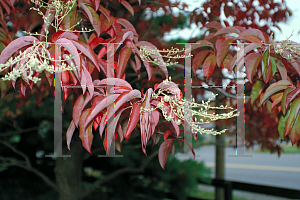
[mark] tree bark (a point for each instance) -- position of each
(220, 164)
(68, 172)
(220, 157)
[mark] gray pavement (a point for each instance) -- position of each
(264, 169)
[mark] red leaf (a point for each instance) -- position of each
(209, 65)
(105, 23)
(295, 65)
(214, 25)
(64, 77)
(102, 124)
(105, 12)
(145, 118)
(111, 127)
(123, 60)
(15, 45)
(83, 81)
(199, 58)
(291, 95)
(69, 133)
(250, 38)
(202, 43)
(23, 88)
(97, 120)
(254, 32)
(88, 52)
(127, 25)
(223, 50)
(167, 133)
(147, 64)
(281, 68)
(64, 34)
(150, 46)
(191, 148)
(275, 87)
(126, 98)
(164, 151)
(71, 48)
(133, 119)
(113, 81)
(93, 16)
(227, 30)
(219, 41)
(120, 131)
(283, 100)
(116, 27)
(97, 4)
(276, 98)
(154, 120)
(252, 63)
(80, 103)
(89, 81)
(127, 6)
(227, 62)
(85, 134)
(109, 99)
(122, 36)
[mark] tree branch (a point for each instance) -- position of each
(117, 173)
(10, 133)
(219, 90)
(24, 164)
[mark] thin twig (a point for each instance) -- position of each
(10, 133)
(25, 165)
(117, 173)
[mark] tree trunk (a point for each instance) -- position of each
(68, 172)
(220, 157)
(220, 164)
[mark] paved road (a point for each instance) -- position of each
(263, 168)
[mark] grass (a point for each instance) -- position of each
(287, 149)
(211, 195)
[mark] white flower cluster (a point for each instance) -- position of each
(33, 59)
(185, 110)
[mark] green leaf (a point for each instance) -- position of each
(256, 90)
(273, 66)
(291, 118)
(3, 168)
(265, 67)
(295, 132)
(15, 138)
(281, 124)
